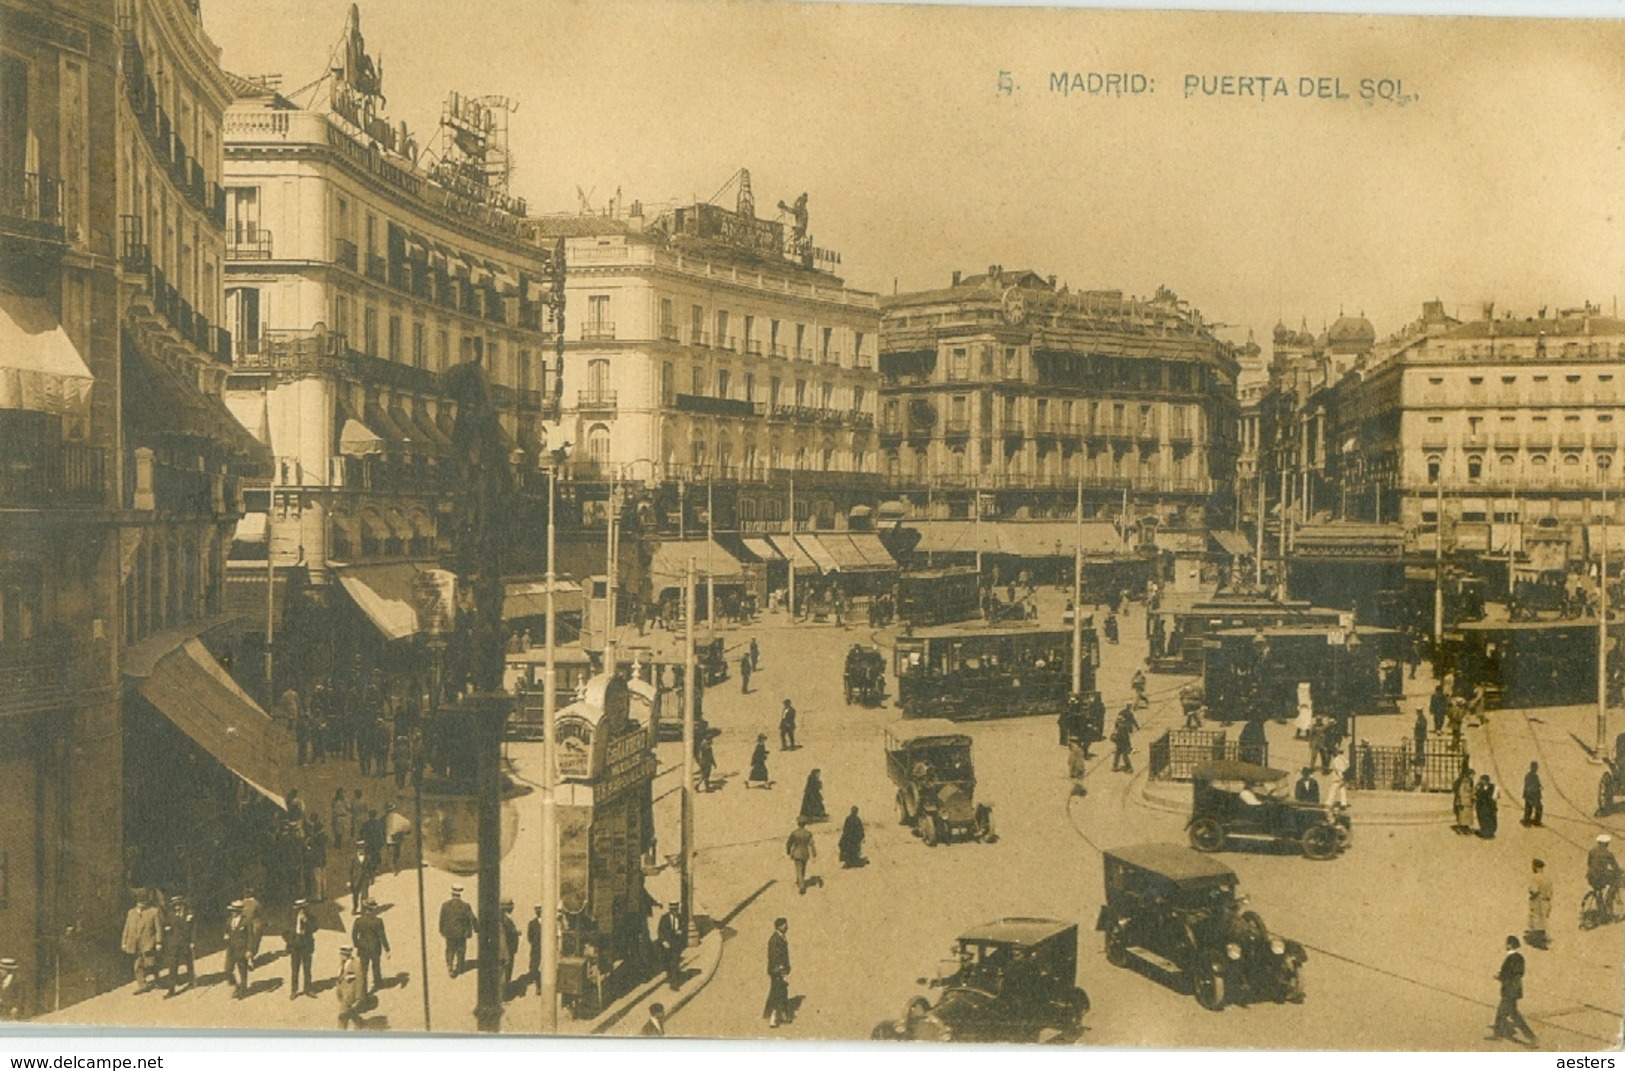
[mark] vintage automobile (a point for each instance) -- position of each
(864, 677)
(1174, 914)
(1013, 979)
(1221, 811)
(1611, 786)
(936, 783)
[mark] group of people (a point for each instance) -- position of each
(362, 720)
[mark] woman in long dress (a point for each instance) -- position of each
(1464, 801)
(1485, 801)
(758, 764)
(812, 799)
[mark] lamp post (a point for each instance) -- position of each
(1602, 614)
(611, 575)
(1077, 601)
(1438, 565)
(686, 869)
(710, 555)
(547, 986)
(791, 528)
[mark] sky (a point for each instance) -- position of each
(1238, 162)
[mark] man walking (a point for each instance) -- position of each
(179, 934)
(510, 947)
(744, 674)
(533, 938)
(1507, 1016)
(238, 943)
(255, 923)
(1419, 735)
(351, 990)
(1123, 739)
(777, 1009)
(362, 871)
(1540, 905)
(142, 939)
(1533, 812)
(301, 943)
(755, 655)
(396, 827)
(787, 728)
(371, 942)
(799, 847)
(457, 926)
(1438, 706)
(669, 939)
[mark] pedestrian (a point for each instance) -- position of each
(1463, 799)
(744, 674)
(755, 655)
(1439, 706)
(180, 932)
(1123, 739)
(362, 871)
(373, 835)
(777, 1010)
(669, 940)
(1533, 812)
(1307, 790)
(1077, 767)
(254, 918)
(533, 938)
(851, 843)
(341, 818)
(510, 946)
(143, 936)
(1540, 905)
(456, 926)
(707, 762)
(787, 728)
(1140, 698)
(1455, 717)
(239, 961)
(11, 992)
(371, 943)
(801, 850)
(300, 941)
(396, 829)
(1339, 770)
(1419, 733)
(1507, 1015)
(401, 755)
(351, 990)
(1485, 798)
(655, 1025)
(316, 860)
(758, 764)
(812, 799)
(1306, 711)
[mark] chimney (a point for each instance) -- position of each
(1052, 282)
(956, 278)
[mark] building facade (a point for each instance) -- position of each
(355, 280)
(715, 355)
(1004, 387)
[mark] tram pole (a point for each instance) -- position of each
(686, 870)
(1602, 620)
(1077, 601)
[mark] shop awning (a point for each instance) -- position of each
(847, 555)
(1232, 543)
(669, 567)
(40, 367)
(762, 549)
(948, 537)
(791, 551)
(385, 593)
(525, 598)
(393, 435)
(358, 440)
(199, 697)
(415, 436)
(430, 430)
(252, 528)
(818, 553)
(159, 402)
(872, 549)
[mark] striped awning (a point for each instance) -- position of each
(763, 550)
(791, 551)
(818, 553)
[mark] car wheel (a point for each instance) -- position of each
(931, 830)
(1207, 835)
(1319, 842)
(1116, 947)
(902, 809)
(1210, 990)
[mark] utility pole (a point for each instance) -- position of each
(791, 528)
(1438, 563)
(1258, 543)
(611, 574)
(1077, 601)
(687, 817)
(976, 526)
(547, 987)
(710, 557)
(1280, 541)
(270, 596)
(1602, 623)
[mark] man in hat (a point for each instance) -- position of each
(510, 945)
(799, 847)
(372, 836)
(351, 990)
(744, 673)
(1602, 871)
(143, 937)
(371, 942)
(179, 934)
(239, 943)
(669, 939)
(778, 975)
(301, 944)
(1507, 1015)
(456, 926)
(1533, 811)
(396, 827)
(11, 991)
(255, 923)
(787, 727)
(1540, 905)
(533, 938)
(655, 1027)
(362, 871)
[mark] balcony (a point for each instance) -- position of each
(249, 245)
(1508, 440)
(860, 419)
(727, 407)
(781, 413)
(891, 431)
(377, 268)
(1148, 432)
(697, 337)
(831, 357)
(1181, 435)
(1538, 440)
(727, 342)
(345, 254)
(863, 360)
(530, 400)
(31, 206)
(600, 331)
(780, 351)
(218, 210)
(1014, 428)
(596, 401)
(43, 475)
(956, 429)
(134, 254)
(753, 347)
(803, 354)
(1571, 440)
(34, 673)
(831, 416)
(670, 333)
(293, 351)
(1604, 440)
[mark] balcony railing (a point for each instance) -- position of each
(34, 673)
(727, 342)
(781, 412)
(31, 205)
(596, 400)
(956, 429)
(858, 418)
(345, 254)
(863, 360)
(1571, 440)
(377, 268)
(52, 475)
(894, 429)
(670, 333)
(699, 338)
(780, 351)
(831, 357)
(249, 245)
(1014, 428)
(601, 331)
(753, 347)
(730, 407)
(803, 353)
(1604, 440)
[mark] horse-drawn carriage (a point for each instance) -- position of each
(865, 676)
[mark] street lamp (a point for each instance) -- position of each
(547, 985)
(1603, 466)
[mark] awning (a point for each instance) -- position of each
(872, 549)
(430, 430)
(536, 293)
(818, 553)
(947, 537)
(403, 420)
(1616, 539)
(40, 367)
(195, 693)
(791, 551)
(417, 247)
(669, 567)
(394, 436)
(252, 528)
(762, 549)
(386, 593)
(529, 598)
(507, 283)
(422, 524)
(159, 402)
(358, 440)
(847, 555)
(1232, 543)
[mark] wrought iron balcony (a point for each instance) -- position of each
(249, 244)
(601, 331)
(596, 401)
(31, 206)
(345, 253)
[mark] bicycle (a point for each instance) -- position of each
(1597, 907)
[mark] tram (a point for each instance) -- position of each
(938, 596)
(976, 671)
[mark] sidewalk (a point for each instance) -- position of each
(626, 1016)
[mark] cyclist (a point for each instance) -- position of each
(1602, 872)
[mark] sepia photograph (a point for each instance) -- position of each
(799, 522)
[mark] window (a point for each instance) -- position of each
(826, 395)
(598, 321)
(698, 381)
(522, 367)
(801, 340)
(722, 329)
(243, 313)
(598, 446)
(858, 399)
(773, 336)
(775, 386)
(957, 412)
(724, 381)
(15, 134)
(243, 224)
(342, 229)
(857, 345)
(420, 346)
(959, 364)
(442, 350)
(1012, 363)
(394, 352)
(369, 332)
(696, 326)
(372, 233)
(750, 386)
(1434, 466)
(750, 329)
(666, 387)
(801, 392)
(598, 379)
(1475, 467)
(829, 335)
(667, 322)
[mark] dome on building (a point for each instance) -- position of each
(1352, 330)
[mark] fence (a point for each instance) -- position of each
(1177, 752)
(1395, 768)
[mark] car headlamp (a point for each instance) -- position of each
(1277, 946)
(1233, 950)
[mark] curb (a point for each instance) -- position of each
(708, 956)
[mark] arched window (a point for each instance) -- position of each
(598, 445)
(1475, 466)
